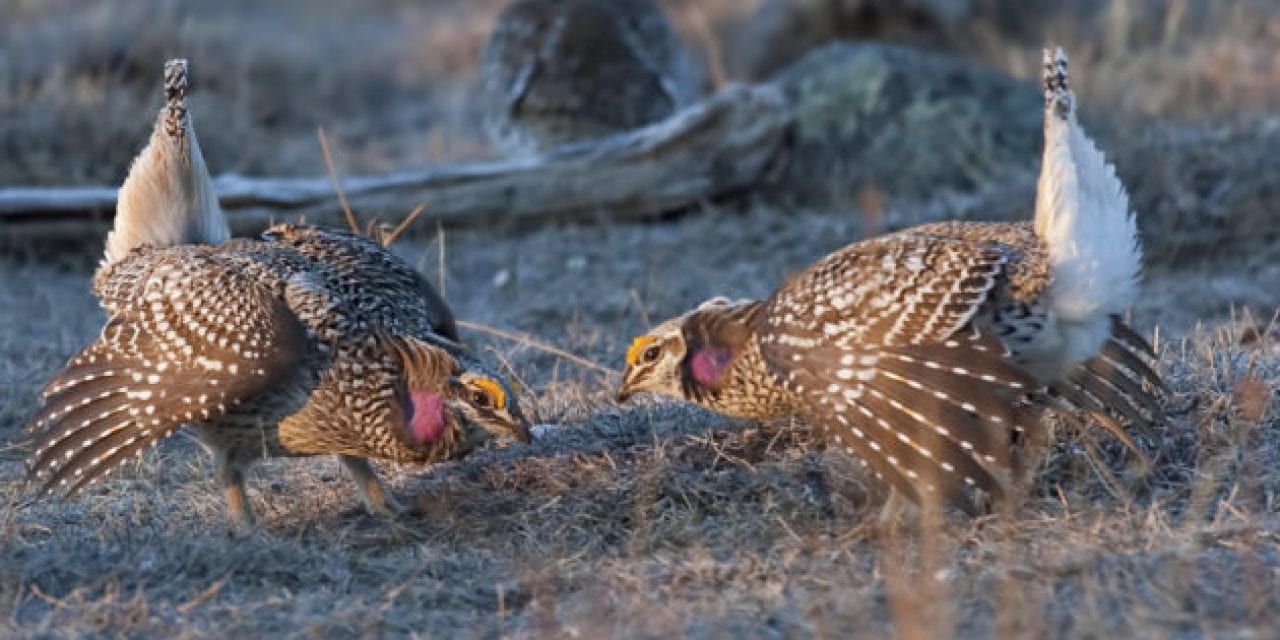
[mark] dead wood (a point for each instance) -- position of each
(721, 145)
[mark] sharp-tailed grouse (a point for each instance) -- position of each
(927, 352)
(306, 342)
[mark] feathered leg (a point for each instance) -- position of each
(374, 494)
(230, 476)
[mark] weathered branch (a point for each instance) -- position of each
(721, 145)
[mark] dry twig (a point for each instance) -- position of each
(534, 343)
(389, 238)
(337, 185)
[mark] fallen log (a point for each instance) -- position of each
(721, 145)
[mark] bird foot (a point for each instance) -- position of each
(387, 506)
(243, 524)
(377, 499)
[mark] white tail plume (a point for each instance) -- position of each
(167, 199)
(1083, 215)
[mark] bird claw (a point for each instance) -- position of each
(242, 524)
(388, 506)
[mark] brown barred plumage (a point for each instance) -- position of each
(306, 342)
(1093, 360)
(557, 71)
(1019, 315)
(874, 343)
(925, 353)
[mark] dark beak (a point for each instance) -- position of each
(522, 426)
(626, 388)
(522, 431)
(624, 394)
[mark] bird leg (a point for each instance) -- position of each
(230, 476)
(374, 494)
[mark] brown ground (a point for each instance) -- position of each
(650, 521)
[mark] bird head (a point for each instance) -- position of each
(488, 406)
(451, 400)
(690, 352)
(653, 362)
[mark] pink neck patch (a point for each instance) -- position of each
(709, 364)
(426, 416)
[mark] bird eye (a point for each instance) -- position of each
(479, 398)
(650, 354)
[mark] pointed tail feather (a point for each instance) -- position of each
(1138, 371)
(1130, 338)
(1118, 381)
(1141, 395)
(167, 198)
(1083, 216)
(1108, 399)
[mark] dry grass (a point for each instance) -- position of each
(647, 521)
(76, 80)
(1184, 58)
(1193, 59)
(390, 80)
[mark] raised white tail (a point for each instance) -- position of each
(167, 199)
(1083, 215)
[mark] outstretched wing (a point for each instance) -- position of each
(875, 342)
(929, 419)
(188, 340)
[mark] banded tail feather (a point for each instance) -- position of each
(1076, 391)
(1083, 217)
(1058, 99)
(1135, 403)
(1130, 339)
(1138, 369)
(174, 120)
(1119, 381)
